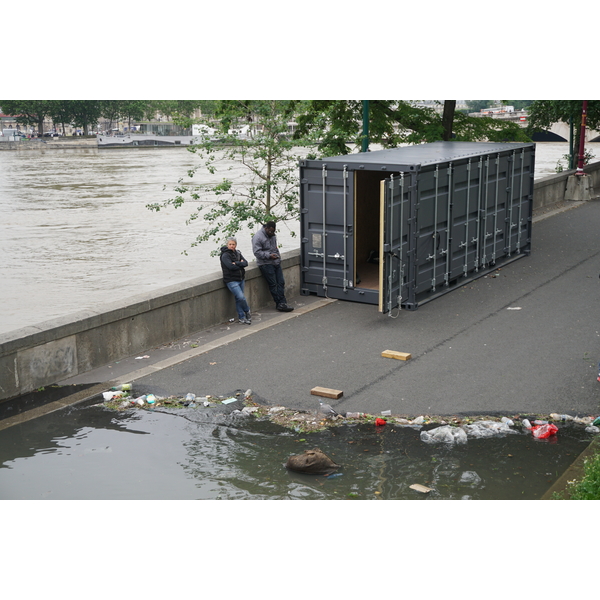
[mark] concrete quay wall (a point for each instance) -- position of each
(550, 190)
(58, 349)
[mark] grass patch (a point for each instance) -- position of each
(586, 488)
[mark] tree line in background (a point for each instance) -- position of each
(87, 113)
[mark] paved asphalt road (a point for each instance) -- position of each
(472, 351)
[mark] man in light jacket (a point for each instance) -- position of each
(268, 259)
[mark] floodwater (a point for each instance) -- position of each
(94, 453)
(75, 232)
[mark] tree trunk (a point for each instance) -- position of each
(448, 119)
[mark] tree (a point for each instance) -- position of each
(543, 113)
(29, 112)
(477, 105)
(254, 134)
(335, 125)
(448, 119)
(84, 112)
(174, 109)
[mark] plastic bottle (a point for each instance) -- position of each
(508, 421)
(126, 387)
(526, 424)
(191, 397)
(557, 417)
(596, 421)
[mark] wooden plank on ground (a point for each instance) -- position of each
(326, 392)
(396, 355)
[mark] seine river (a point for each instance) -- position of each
(75, 231)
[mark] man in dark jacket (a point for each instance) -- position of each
(268, 259)
(233, 265)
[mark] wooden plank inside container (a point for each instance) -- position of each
(396, 355)
(326, 392)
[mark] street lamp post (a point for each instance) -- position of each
(582, 139)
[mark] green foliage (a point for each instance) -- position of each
(474, 129)
(336, 125)
(477, 105)
(86, 113)
(254, 136)
(28, 112)
(543, 113)
(588, 487)
(587, 158)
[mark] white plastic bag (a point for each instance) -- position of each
(485, 429)
(444, 435)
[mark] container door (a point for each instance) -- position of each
(326, 218)
(433, 224)
(394, 242)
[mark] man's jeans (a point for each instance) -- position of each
(274, 276)
(237, 289)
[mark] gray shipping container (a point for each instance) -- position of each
(399, 227)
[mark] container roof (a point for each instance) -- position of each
(436, 152)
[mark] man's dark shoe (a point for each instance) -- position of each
(284, 308)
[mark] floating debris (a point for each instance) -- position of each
(314, 461)
(445, 434)
(420, 488)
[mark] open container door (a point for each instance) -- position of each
(394, 243)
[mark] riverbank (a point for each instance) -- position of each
(54, 143)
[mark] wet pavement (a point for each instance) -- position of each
(524, 339)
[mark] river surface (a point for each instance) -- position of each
(75, 231)
(95, 453)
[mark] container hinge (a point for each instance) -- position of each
(317, 254)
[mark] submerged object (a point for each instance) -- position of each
(314, 461)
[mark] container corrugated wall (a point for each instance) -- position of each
(399, 227)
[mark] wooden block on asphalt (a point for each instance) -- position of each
(396, 355)
(326, 392)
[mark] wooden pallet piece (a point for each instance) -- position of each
(396, 355)
(326, 392)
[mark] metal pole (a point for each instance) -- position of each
(582, 139)
(571, 141)
(365, 131)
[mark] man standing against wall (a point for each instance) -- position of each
(268, 259)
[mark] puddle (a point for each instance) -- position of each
(96, 453)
